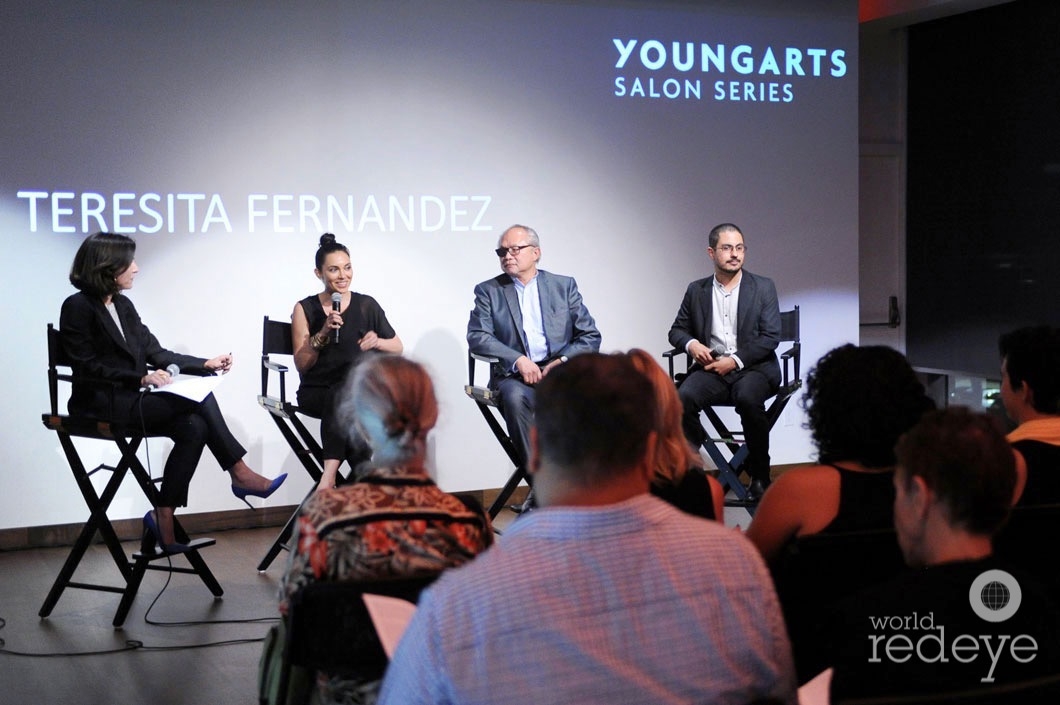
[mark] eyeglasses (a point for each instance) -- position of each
(726, 249)
(513, 251)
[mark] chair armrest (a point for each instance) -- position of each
(670, 355)
(481, 395)
(791, 357)
(268, 366)
(472, 358)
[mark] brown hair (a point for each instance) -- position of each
(101, 258)
(673, 453)
(966, 461)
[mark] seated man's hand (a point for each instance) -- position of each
(700, 353)
(528, 370)
(722, 365)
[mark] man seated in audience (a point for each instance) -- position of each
(606, 594)
(963, 620)
(1030, 392)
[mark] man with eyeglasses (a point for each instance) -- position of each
(729, 323)
(531, 320)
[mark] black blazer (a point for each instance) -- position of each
(757, 322)
(98, 350)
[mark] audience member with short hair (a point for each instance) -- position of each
(393, 522)
(679, 477)
(859, 400)
(605, 594)
(962, 620)
(1030, 392)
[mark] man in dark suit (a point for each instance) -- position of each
(729, 323)
(531, 320)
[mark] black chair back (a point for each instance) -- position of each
(330, 629)
(275, 340)
(790, 330)
(1027, 542)
(56, 358)
(819, 570)
(276, 337)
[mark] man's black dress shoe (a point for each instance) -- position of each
(755, 491)
(528, 504)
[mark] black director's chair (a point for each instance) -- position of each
(486, 401)
(329, 629)
(727, 448)
(276, 340)
(128, 439)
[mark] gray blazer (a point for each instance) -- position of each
(496, 325)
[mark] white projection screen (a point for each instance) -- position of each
(225, 137)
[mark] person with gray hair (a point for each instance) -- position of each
(531, 321)
(394, 522)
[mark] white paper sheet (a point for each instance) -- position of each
(191, 386)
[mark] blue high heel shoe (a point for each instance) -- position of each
(153, 537)
(244, 492)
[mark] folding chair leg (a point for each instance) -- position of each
(728, 469)
(142, 562)
(307, 450)
(310, 455)
(97, 521)
(282, 541)
(204, 573)
(138, 570)
(506, 492)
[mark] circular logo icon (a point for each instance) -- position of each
(995, 595)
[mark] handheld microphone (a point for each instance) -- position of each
(173, 369)
(336, 304)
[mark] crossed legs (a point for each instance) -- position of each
(192, 427)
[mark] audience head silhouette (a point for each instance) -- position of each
(595, 425)
(391, 401)
(859, 400)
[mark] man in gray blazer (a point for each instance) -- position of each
(729, 323)
(531, 320)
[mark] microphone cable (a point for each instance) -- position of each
(169, 557)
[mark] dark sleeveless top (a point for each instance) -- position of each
(692, 495)
(1043, 472)
(334, 361)
(866, 501)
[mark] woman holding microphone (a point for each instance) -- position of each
(332, 331)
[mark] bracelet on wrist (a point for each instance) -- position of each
(316, 343)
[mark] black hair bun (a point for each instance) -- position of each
(327, 239)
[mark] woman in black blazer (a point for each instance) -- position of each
(105, 340)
